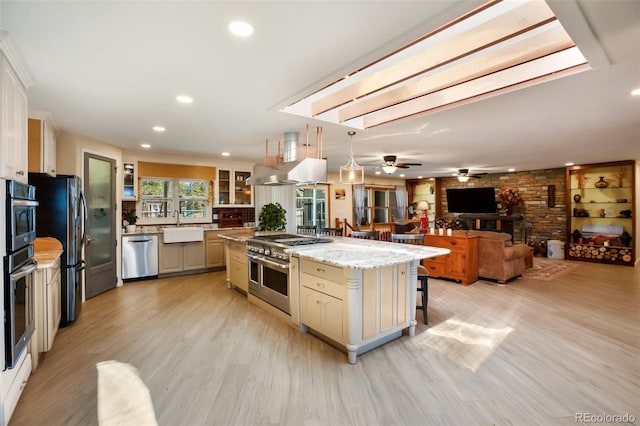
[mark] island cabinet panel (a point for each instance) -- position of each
(323, 313)
(359, 309)
(237, 265)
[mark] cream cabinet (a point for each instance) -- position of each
(14, 381)
(42, 147)
(180, 257)
(237, 265)
(129, 188)
(215, 250)
(358, 309)
(322, 295)
(232, 188)
(13, 124)
(47, 309)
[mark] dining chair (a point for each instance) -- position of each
(336, 232)
(306, 229)
(423, 276)
(365, 235)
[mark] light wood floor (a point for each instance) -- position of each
(529, 352)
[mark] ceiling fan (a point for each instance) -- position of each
(464, 175)
(390, 165)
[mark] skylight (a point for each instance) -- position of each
(493, 49)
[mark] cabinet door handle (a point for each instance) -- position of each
(320, 285)
(20, 172)
(453, 243)
(320, 269)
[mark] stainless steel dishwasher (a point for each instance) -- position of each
(139, 256)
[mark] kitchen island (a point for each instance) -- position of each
(356, 294)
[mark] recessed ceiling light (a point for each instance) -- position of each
(378, 172)
(401, 175)
(184, 99)
(635, 92)
(419, 177)
(145, 145)
(511, 170)
(568, 164)
(241, 28)
(159, 128)
(225, 154)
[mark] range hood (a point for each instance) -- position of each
(292, 171)
(307, 171)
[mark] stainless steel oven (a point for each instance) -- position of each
(269, 280)
(269, 266)
(19, 319)
(21, 215)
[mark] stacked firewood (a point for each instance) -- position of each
(600, 253)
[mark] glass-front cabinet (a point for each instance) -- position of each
(129, 187)
(600, 225)
(232, 188)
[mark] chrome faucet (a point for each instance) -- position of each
(177, 213)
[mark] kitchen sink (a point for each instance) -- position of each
(183, 235)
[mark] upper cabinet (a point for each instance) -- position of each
(13, 123)
(129, 176)
(232, 188)
(42, 146)
(600, 225)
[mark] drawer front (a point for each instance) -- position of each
(327, 272)
(324, 286)
(435, 269)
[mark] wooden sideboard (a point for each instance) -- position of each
(460, 265)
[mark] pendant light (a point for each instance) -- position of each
(351, 172)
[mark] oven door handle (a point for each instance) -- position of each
(262, 260)
(275, 264)
(24, 203)
(27, 269)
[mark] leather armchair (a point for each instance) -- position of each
(498, 257)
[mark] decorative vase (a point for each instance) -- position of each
(601, 183)
(131, 229)
(508, 210)
(577, 198)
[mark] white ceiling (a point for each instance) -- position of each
(111, 70)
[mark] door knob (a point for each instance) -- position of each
(88, 239)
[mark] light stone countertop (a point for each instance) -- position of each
(364, 254)
(237, 237)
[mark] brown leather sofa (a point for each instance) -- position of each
(498, 257)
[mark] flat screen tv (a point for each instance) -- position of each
(471, 200)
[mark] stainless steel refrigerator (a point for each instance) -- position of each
(61, 215)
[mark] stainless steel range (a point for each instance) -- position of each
(269, 266)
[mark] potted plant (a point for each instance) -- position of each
(273, 217)
(129, 220)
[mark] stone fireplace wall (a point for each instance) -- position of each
(542, 222)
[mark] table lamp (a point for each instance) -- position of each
(424, 206)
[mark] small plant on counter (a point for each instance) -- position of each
(129, 216)
(273, 217)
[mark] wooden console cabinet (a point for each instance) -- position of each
(460, 265)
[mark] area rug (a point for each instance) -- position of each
(548, 269)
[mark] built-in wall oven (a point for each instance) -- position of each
(20, 268)
(21, 215)
(269, 267)
(18, 300)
